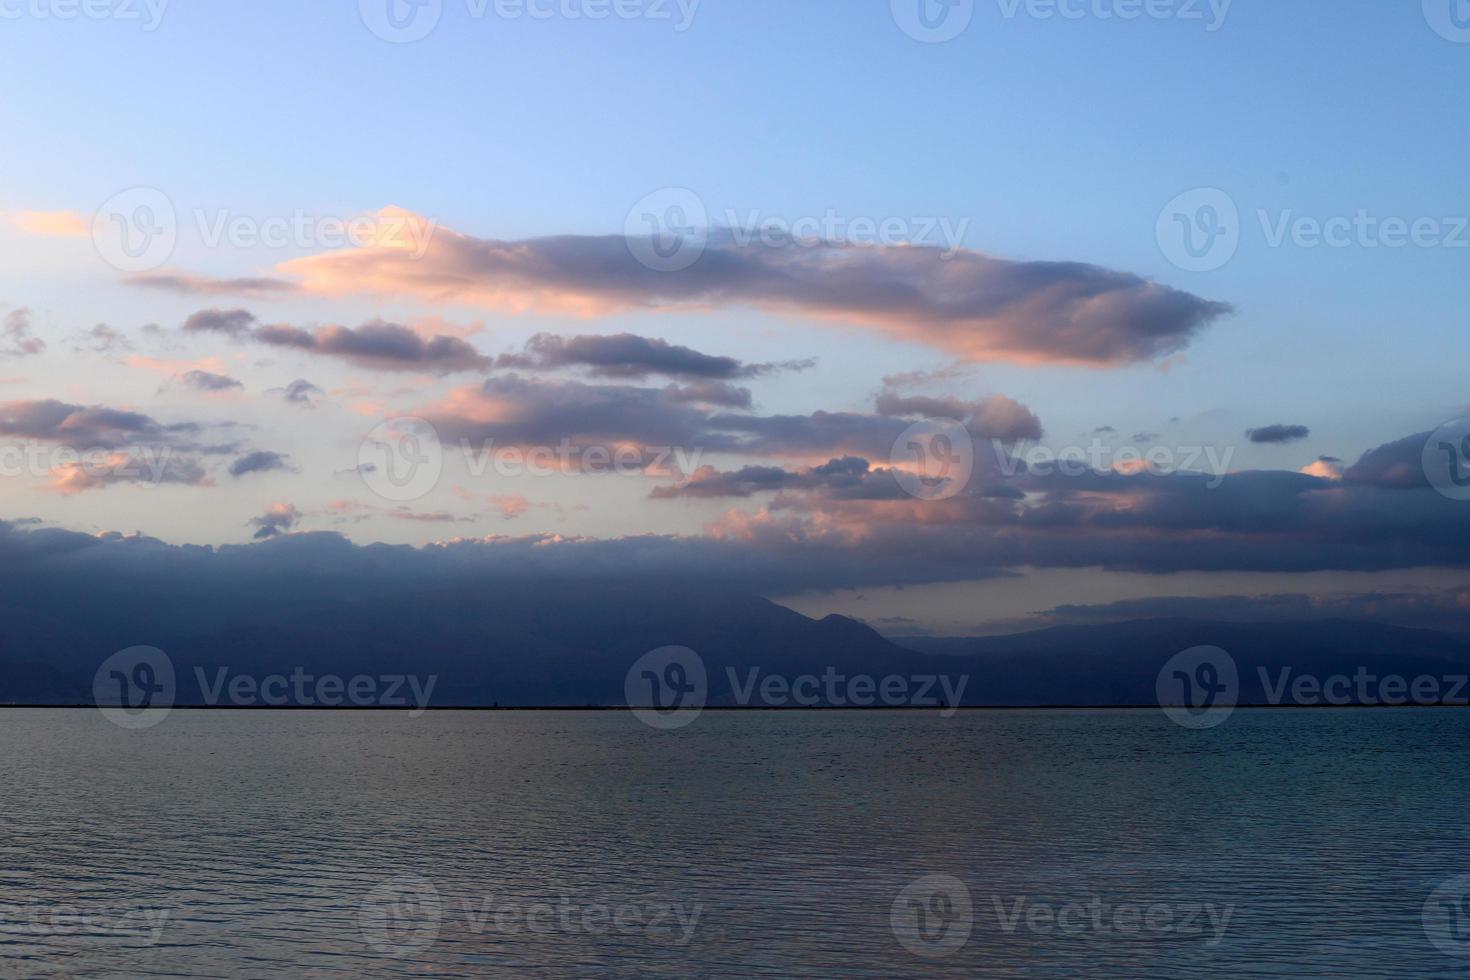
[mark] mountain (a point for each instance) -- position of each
(537, 645)
(527, 645)
(1119, 663)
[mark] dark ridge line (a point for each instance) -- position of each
(731, 708)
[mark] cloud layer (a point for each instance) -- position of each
(969, 304)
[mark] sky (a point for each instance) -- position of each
(1230, 234)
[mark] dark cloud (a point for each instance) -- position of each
(381, 345)
(135, 447)
(376, 344)
(232, 322)
(996, 417)
(846, 524)
(514, 410)
(51, 567)
(1278, 433)
(1397, 465)
(630, 356)
(845, 474)
(520, 411)
(719, 394)
(968, 303)
(1144, 522)
(115, 446)
(428, 517)
(820, 433)
(206, 381)
(260, 461)
(83, 427)
(300, 392)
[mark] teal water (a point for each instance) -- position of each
(831, 844)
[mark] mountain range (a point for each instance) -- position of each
(532, 646)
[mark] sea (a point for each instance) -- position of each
(1108, 843)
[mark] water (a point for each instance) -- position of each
(546, 844)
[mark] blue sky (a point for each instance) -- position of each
(1055, 138)
(1051, 138)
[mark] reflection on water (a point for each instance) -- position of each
(843, 844)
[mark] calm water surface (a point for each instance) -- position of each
(833, 844)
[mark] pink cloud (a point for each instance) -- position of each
(51, 224)
(975, 306)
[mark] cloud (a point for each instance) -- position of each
(376, 344)
(381, 345)
(1278, 433)
(518, 411)
(142, 468)
(1397, 465)
(51, 224)
(232, 322)
(80, 426)
(510, 506)
(260, 461)
(632, 357)
(969, 304)
(1326, 467)
(720, 394)
(1143, 522)
(299, 392)
(996, 417)
(101, 339)
(15, 335)
(843, 524)
(189, 284)
(819, 435)
(277, 519)
(207, 381)
(106, 446)
(430, 517)
(50, 565)
(512, 410)
(839, 475)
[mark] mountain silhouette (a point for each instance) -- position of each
(537, 645)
